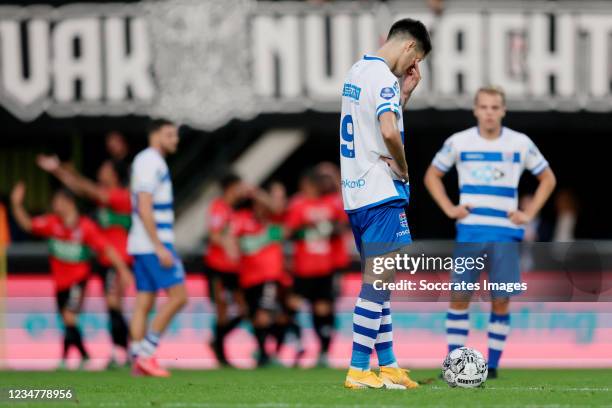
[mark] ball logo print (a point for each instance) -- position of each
(465, 367)
(387, 93)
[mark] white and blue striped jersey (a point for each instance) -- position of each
(369, 90)
(489, 173)
(150, 174)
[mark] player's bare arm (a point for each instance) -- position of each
(19, 212)
(547, 182)
(71, 178)
(435, 186)
(393, 140)
(145, 211)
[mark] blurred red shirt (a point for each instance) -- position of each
(261, 249)
(340, 254)
(219, 218)
(115, 218)
(310, 222)
(69, 248)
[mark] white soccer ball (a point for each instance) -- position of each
(465, 367)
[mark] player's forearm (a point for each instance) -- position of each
(80, 185)
(22, 217)
(545, 188)
(393, 141)
(436, 189)
(116, 260)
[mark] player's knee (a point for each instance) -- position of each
(500, 306)
(262, 319)
(69, 317)
(322, 308)
(460, 304)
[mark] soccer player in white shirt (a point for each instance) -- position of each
(375, 187)
(151, 242)
(490, 159)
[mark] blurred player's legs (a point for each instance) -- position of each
(286, 325)
(151, 277)
(224, 289)
(117, 324)
(69, 302)
(262, 301)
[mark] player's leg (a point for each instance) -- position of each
(498, 330)
(292, 303)
(323, 316)
(177, 299)
(262, 304)
(457, 322)
(70, 303)
(118, 326)
(505, 268)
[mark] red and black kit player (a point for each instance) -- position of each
(71, 239)
(113, 215)
(309, 224)
(221, 263)
(261, 265)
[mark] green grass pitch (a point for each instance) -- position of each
(283, 387)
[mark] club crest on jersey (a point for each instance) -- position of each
(403, 220)
(387, 93)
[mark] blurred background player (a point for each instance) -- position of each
(490, 159)
(221, 261)
(71, 237)
(375, 187)
(114, 213)
(309, 224)
(261, 264)
(151, 242)
(117, 147)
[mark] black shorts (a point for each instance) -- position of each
(262, 297)
(316, 288)
(108, 275)
(72, 297)
(229, 281)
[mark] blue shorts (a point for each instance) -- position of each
(151, 276)
(502, 253)
(381, 229)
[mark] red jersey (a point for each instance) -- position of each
(219, 217)
(310, 221)
(261, 250)
(115, 218)
(340, 254)
(69, 247)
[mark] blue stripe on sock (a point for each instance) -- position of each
(494, 356)
(452, 316)
(497, 336)
(386, 312)
(463, 332)
(385, 355)
(361, 348)
(360, 358)
(452, 347)
(367, 313)
(499, 318)
(383, 345)
(385, 328)
(371, 333)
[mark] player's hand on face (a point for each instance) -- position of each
(458, 212)
(396, 169)
(47, 162)
(18, 193)
(411, 79)
(519, 217)
(166, 259)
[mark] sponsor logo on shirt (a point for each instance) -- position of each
(403, 220)
(387, 93)
(353, 183)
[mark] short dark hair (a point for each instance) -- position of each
(229, 180)
(66, 193)
(157, 124)
(415, 29)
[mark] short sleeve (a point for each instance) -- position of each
(42, 225)
(534, 160)
(386, 95)
(218, 218)
(446, 156)
(293, 219)
(119, 200)
(145, 175)
(93, 237)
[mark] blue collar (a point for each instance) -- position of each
(368, 58)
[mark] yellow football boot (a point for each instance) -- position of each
(356, 379)
(397, 378)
